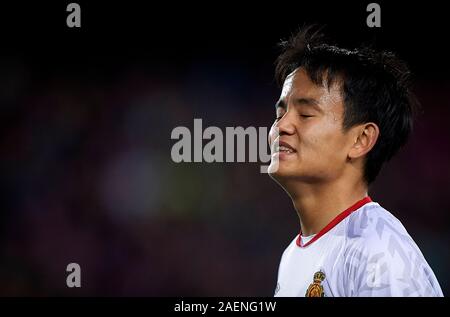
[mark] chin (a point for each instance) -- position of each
(280, 171)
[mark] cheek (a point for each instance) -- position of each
(332, 148)
(325, 143)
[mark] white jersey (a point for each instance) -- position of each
(364, 251)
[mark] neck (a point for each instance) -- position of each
(318, 204)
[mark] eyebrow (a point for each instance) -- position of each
(300, 101)
(307, 101)
(280, 104)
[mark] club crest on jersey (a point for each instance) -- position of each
(315, 289)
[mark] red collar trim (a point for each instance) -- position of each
(335, 221)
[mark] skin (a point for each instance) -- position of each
(324, 174)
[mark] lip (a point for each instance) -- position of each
(282, 143)
(281, 154)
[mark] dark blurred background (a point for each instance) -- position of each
(86, 116)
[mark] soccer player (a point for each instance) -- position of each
(342, 114)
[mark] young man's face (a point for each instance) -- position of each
(309, 124)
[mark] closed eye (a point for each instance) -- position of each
(306, 116)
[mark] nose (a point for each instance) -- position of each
(284, 126)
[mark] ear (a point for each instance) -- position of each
(366, 136)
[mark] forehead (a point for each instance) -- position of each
(299, 85)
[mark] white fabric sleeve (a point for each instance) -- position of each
(391, 265)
